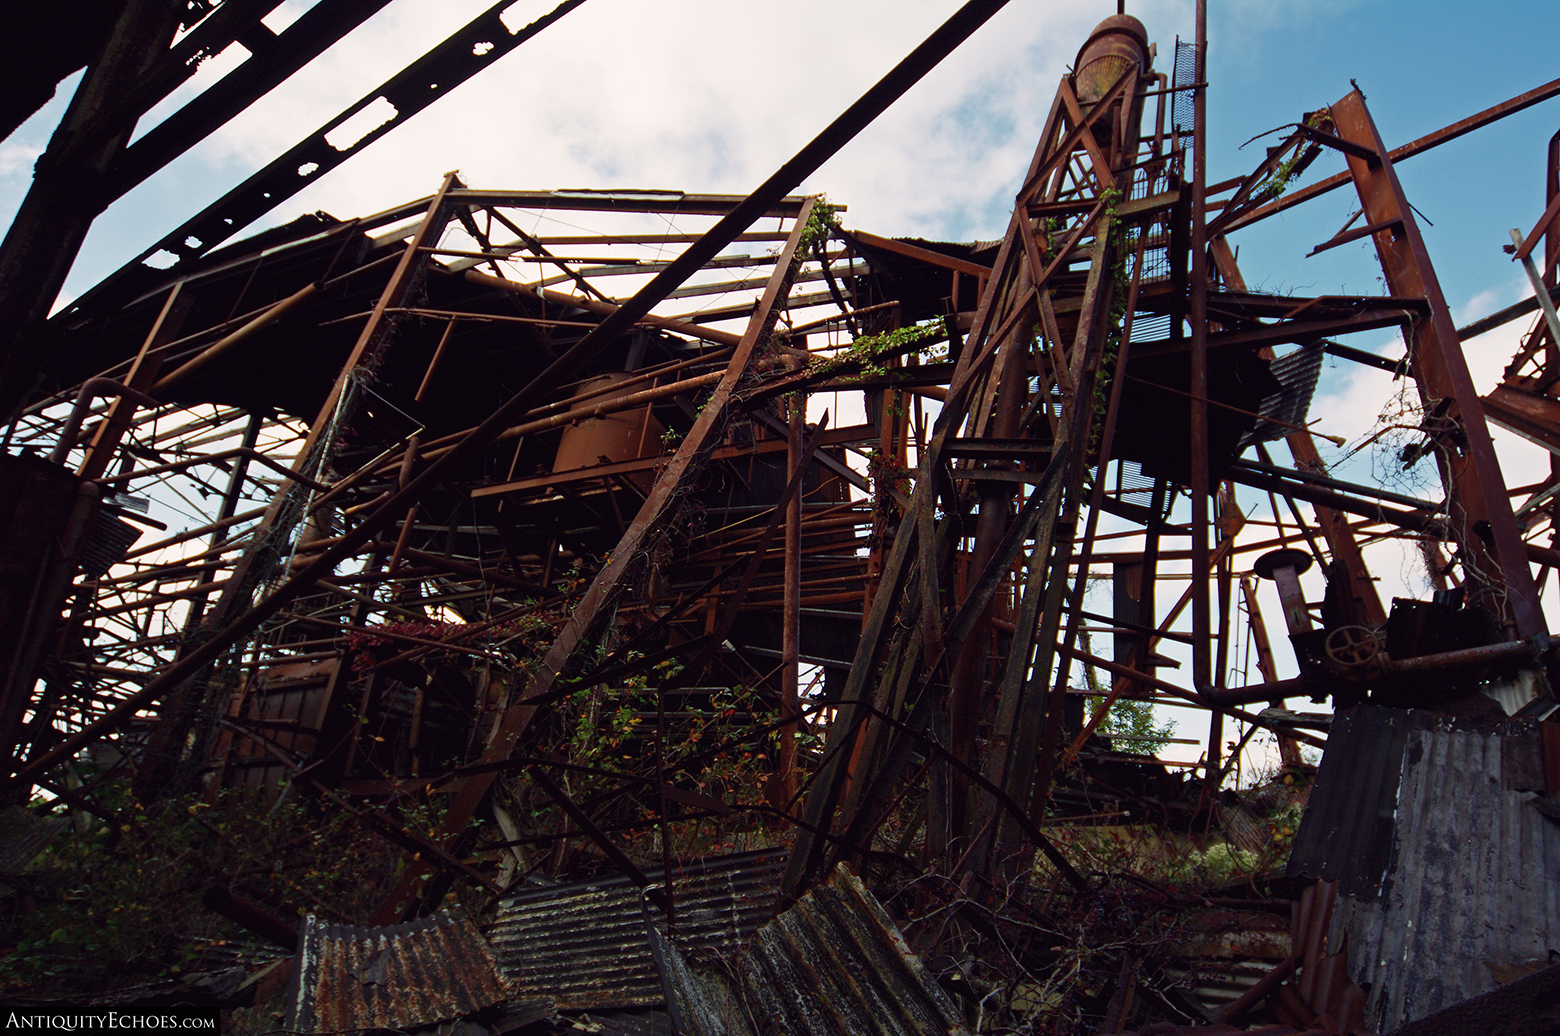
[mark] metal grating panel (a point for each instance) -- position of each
(1188, 71)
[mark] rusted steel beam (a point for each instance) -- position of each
(1405, 151)
(1494, 557)
(617, 404)
(830, 140)
(791, 613)
(247, 915)
(1074, 605)
(139, 378)
(1283, 688)
(334, 413)
(1197, 316)
(1504, 316)
(1027, 775)
(228, 341)
(723, 625)
(284, 53)
(926, 255)
(619, 859)
(1340, 540)
(448, 64)
(246, 453)
(1535, 651)
(605, 587)
(54, 217)
(590, 305)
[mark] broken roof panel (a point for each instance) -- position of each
(583, 944)
(349, 978)
(834, 964)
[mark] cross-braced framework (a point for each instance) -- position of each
(551, 531)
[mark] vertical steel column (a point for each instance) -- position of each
(1197, 314)
(791, 610)
(1492, 551)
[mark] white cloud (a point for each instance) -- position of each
(16, 158)
(694, 95)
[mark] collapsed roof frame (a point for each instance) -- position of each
(1037, 401)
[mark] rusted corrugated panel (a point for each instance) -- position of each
(834, 964)
(1323, 981)
(1471, 888)
(349, 978)
(1225, 933)
(1218, 983)
(583, 944)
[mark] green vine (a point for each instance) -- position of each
(1278, 180)
(821, 224)
(865, 356)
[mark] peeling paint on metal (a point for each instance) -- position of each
(1466, 889)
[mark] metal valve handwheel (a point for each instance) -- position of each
(1352, 646)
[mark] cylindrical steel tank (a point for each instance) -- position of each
(1117, 44)
(610, 438)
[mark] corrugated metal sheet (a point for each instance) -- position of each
(1527, 1007)
(107, 544)
(1297, 373)
(833, 964)
(349, 978)
(1467, 885)
(1346, 833)
(1169, 1029)
(1323, 980)
(1217, 984)
(583, 944)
